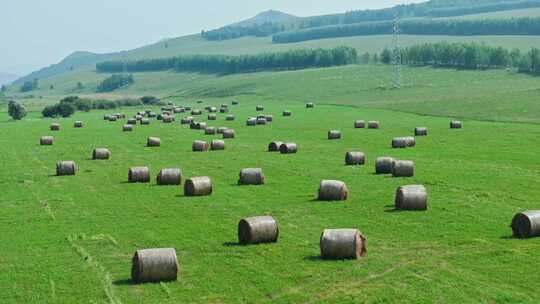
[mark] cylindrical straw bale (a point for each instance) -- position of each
(170, 176)
(154, 265)
(288, 148)
(199, 146)
(196, 112)
(67, 167)
(101, 154)
(257, 230)
(127, 128)
(223, 110)
(153, 142)
(410, 141)
(420, 131)
(198, 186)
(355, 158)
(252, 121)
(210, 131)
(229, 117)
(526, 224)
(384, 165)
(334, 134)
(251, 176)
(217, 144)
(229, 133)
(360, 124)
(403, 168)
(212, 109)
(411, 197)
(287, 113)
(399, 142)
(132, 121)
(201, 126)
(274, 146)
(212, 116)
(46, 140)
(220, 130)
(333, 190)
(186, 120)
(374, 125)
(338, 244)
(145, 121)
(456, 124)
(261, 120)
(78, 124)
(55, 127)
(259, 108)
(310, 105)
(139, 175)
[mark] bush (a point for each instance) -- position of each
(16, 110)
(150, 100)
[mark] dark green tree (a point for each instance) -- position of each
(16, 110)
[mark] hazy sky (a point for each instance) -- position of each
(36, 33)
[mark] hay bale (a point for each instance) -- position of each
(113, 118)
(201, 126)
(198, 186)
(145, 121)
(383, 165)
(46, 140)
(224, 110)
(257, 230)
(403, 168)
(132, 121)
(287, 113)
(127, 128)
(220, 130)
(310, 105)
(334, 134)
(55, 127)
(252, 121)
(288, 148)
(373, 124)
(212, 116)
(217, 144)
(355, 158)
(199, 146)
(410, 141)
(154, 265)
(210, 131)
(359, 124)
(261, 120)
(259, 108)
(333, 190)
(269, 118)
(171, 176)
(168, 119)
(106, 117)
(455, 124)
(229, 133)
(152, 114)
(235, 103)
(101, 154)
(78, 124)
(139, 175)
(179, 110)
(399, 142)
(251, 176)
(187, 108)
(159, 117)
(274, 146)
(230, 117)
(420, 131)
(138, 117)
(526, 224)
(153, 142)
(186, 120)
(66, 167)
(196, 112)
(337, 244)
(411, 197)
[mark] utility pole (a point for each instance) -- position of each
(396, 56)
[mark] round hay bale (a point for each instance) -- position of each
(167, 119)
(526, 224)
(420, 131)
(411, 197)
(78, 124)
(154, 265)
(196, 112)
(132, 121)
(198, 186)
(217, 144)
(199, 146)
(138, 117)
(113, 118)
(187, 108)
(153, 142)
(120, 115)
(224, 110)
(269, 118)
(288, 148)
(127, 128)
(359, 124)
(139, 175)
(383, 165)
(251, 176)
(338, 244)
(159, 117)
(145, 121)
(101, 154)
(210, 131)
(403, 168)
(229, 133)
(258, 230)
(46, 140)
(399, 142)
(171, 176)
(201, 126)
(66, 167)
(220, 130)
(373, 125)
(259, 108)
(334, 134)
(212, 116)
(152, 114)
(287, 113)
(252, 121)
(274, 146)
(230, 117)
(355, 158)
(235, 103)
(106, 117)
(178, 110)
(333, 190)
(310, 105)
(194, 125)
(186, 120)
(455, 124)
(55, 127)
(261, 120)
(410, 141)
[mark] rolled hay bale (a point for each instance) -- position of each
(186, 120)
(101, 154)
(178, 110)
(159, 117)
(212, 116)
(229, 133)
(201, 126)
(46, 140)
(67, 167)
(132, 121)
(199, 146)
(138, 117)
(403, 168)
(274, 146)
(78, 124)
(338, 244)
(217, 144)
(113, 118)
(139, 175)
(251, 176)
(383, 165)
(410, 141)
(287, 113)
(252, 121)
(120, 115)
(154, 265)
(334, 134)
(310, 105)
(455, 124)
(210, 131)
(194, 125)
(170, 176)
(359, 124)
(187, 108)
(55, 127)
(235, 103)
(411, 197)
(167, 119)
(374, 124)
(212, 109)
(420, 131)
(269, 118)
(333, 190)
(230, 117)
(198, 186)
(261, 120)
(399, 142)
(224, 110)
(258, 230)
(152, 115)
(259, 108)
(526, 224)
(288, 148)
(127, 128)
(220, 130)
(145, 121)
(153, 142)
(106, 117)
(196, 112)
(355, 158)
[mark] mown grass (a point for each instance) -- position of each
(70, 239)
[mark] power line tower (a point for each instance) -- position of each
(125, 76)
(396, 55)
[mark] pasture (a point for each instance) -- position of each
(70, 239)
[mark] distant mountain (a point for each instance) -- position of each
(7, 78)
(270, 16)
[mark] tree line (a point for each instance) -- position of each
(69, 105)
(225, 64)
(232, 32)
(454, 27)
(114, 82)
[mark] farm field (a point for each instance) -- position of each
(71, 239)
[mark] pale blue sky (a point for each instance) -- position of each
(36, 33)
